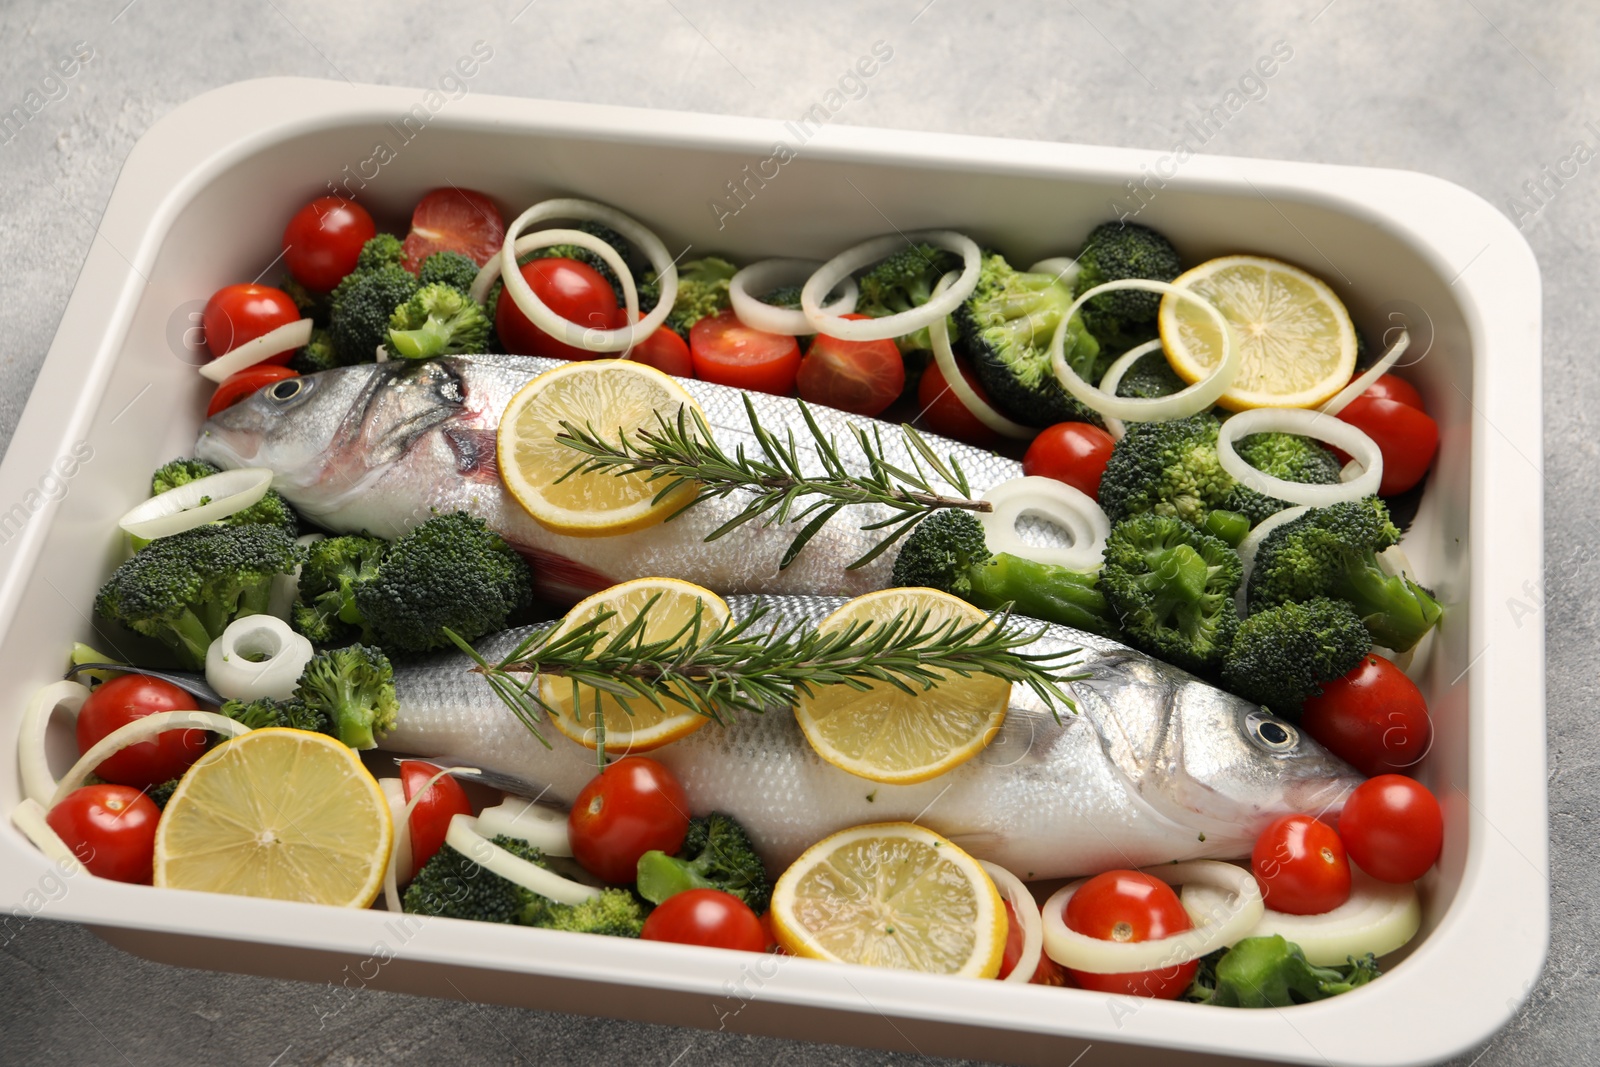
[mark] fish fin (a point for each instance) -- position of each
(559, 579)
(475, 454)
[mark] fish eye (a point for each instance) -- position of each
(287, 389)
(1270, 733)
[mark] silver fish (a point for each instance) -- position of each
(1157, 765)
(380, 446)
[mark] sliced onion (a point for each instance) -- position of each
(38, 784)
(142, 729)
(402, 830)
(1307, 423)
(1378, 918)
(956, 382)
(1055, 502)
(1013, 892)
(1239, 915)
(1252, 544)
(1342, 398)
(31, 818)
(236, 677)
(1113, 378)
(831, 273)
(545, 239)
(463, 836)
(179, 509)
(1065, 269)
(543, 828)
(769, 274)
(285, 338)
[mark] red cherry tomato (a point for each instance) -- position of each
(245, 382)
(1048, 971)
(861, 377)
(120, 701)
(1071, 452)
(1131, 906)
(706, 917)
(1374, 718)
(631, 807)
(944, 413)
(1393, 828)
(1389, 387)
(430, 819)
(1407, 436)
(1301, 867)
(664, 350)
(454, 220)
(322, 241)
(111, 829)
(728, 352)
(575, 291)
(239, 313)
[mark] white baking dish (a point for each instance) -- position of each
(202, 201)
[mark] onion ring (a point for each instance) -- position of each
(847, 262)
(545, 239)
(543, 828)
(1065, 269)
(767, 275)
(1363, 382)
(32, 819)
(402, 835)
(179, 509)
(286, 338)
(1056, 502)
(142, 729)
(1113, 378)
(956, 382)
(463, 836)
(1013, 892)
(1377, 918)
(1314, 424)
(236, 677)
(38, 784)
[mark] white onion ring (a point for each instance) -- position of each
(1252, 544)
(956, 382)
(286, 338)
(402, 832)
(1342, 398)
(1113, 378)
(1378, 918)
(38, 784)
(179, 510)
(235, 677)
(1307, 423)
(1013, 892)
(1185, 402)
(1065, 269)
(1084, 953)
(769, 274)
(545, 239)
(30, 818)
(543, 828)
(142, 729)
(901, 323)
(463, 836)
(1056, 502)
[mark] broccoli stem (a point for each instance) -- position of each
(423, 343)
(1397, 611)
(194, 637)
(1042, 591)
(1231, 526)
(661, 876)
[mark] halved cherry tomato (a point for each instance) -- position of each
(944, 413)
(706, 917)
(861, 377)
(1407, 436)
(1301, 866)
(1390, 387)
(1071, 452)
(1131, 906)
(242, 383)
(631, 807)
(111, 829)
(239, 313)
(1374, 718)
(322, 241)
(575, 291)
(728, 352)
(454, 220)
(664, 350)
(120, 701)
(1048, 971)
(430, 819)
(1393, 828)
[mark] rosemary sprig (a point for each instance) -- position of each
(682, 451)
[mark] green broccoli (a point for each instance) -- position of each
(1270, 972)
(161, 793)
(384, 250)
(366, 298)
(614, 913)
(449, 268)
(1170, 468)
(325, 608)
(702, 292)
(1283, 455)
(1333, 551)
(313, 306)
(317, 355)
(1115, 251)
(1150, 376)
(716, 854)
(1005, 328)
(270, 510)
(1284, 654)
(785, 296)
(948, 552)
(438, 320)
(902, 282)
(592, 259)
(1172, 588)
(185, 589)
(292, 713)
(451, 571)
(354, 689)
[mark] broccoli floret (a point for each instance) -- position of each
(1149, 377)
(270, 510)
(1170, 468)
(1271, 972)
(1115, 251)
(1005, 328)
(185, 589)
(1283, 455)
(317, 355)
(716, 854)
(325, 608)
(313, 306)
(291, 713)
(451, 571)
(786, 296)
(1284, 654)
(449, 268)
(439, 320)
(384, 250)
(614, 913)
(1172, 588)
(702, 292)
(904, 281)
(1333, 551)
(363, 303)
(160, 794)
(592, 260)
(948, 552)
(354, 688)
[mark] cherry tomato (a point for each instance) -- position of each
(861, 377)
(1131, 906)
(1301, 867)
(575, 291)
(706, 917)
(1389, 387)
(239, 313)
(944, 413)
(1393, 828)
(664, 350)
(245, 382)
(1048, 971)
(728, 352)
(1407, 436)
(120, 701)
(111, 829)
(631, 807)
(322, 241)
(1374, 718)
(1071, 452)
(430, 819)
(454, 220)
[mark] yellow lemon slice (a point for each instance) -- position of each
(1298, 346)
(611, 398)
(284, 814)
(891, 895)
(885, 734)
(633, 724)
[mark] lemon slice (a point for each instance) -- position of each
(885, 734)
(891, 895)
(278, 813)
(1298, 346)
(632, 724)
(610, 397)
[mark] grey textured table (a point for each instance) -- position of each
(1489, 94)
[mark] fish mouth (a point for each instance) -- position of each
(1321, 796)
(227, 448)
